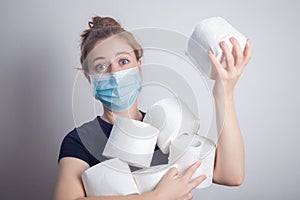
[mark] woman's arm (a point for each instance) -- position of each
(69, 185)
(229, 163)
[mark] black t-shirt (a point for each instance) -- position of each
(88, 141)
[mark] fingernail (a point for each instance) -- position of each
(211, 52)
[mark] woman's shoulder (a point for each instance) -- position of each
(74, 134)
(79, 143)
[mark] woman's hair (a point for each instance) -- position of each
(101, 28)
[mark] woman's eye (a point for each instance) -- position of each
(100, 67)
(124, 61)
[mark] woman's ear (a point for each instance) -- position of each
(140, 68)
(87, 77)
(140, 65)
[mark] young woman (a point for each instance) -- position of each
(107, 50)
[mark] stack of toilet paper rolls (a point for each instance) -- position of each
(168, 123)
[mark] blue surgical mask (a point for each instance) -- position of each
(117, 90)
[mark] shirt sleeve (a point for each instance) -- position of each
(72, 146)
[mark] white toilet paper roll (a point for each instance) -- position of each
(187, 149)
(206, 36)
(172, 117)
(148, 178)
(111, 177)
(132, 141)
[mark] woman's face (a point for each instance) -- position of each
(111, 55)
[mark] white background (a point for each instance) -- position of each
(40, 47)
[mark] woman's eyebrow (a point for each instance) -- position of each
(123, 52)
(118, 53)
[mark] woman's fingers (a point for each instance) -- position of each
(215, 62)
(196, 181)
(228, 55)
(189, 196)
(237, 58)
(237, 51)
(247, 52)
(171, 173)
(191, 170)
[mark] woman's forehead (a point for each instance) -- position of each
(110, 47)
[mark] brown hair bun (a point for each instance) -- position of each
(102, 22)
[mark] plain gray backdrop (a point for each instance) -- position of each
(40, 47)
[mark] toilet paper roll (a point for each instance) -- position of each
(187, 149)
(172, 117)
(132, 141)
(206, 36)
(111, 177)
(148, 178)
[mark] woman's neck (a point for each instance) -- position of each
(132, 113)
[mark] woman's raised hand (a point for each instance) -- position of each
(236, 61)
(172, 187)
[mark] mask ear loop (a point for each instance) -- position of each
(85, 73)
